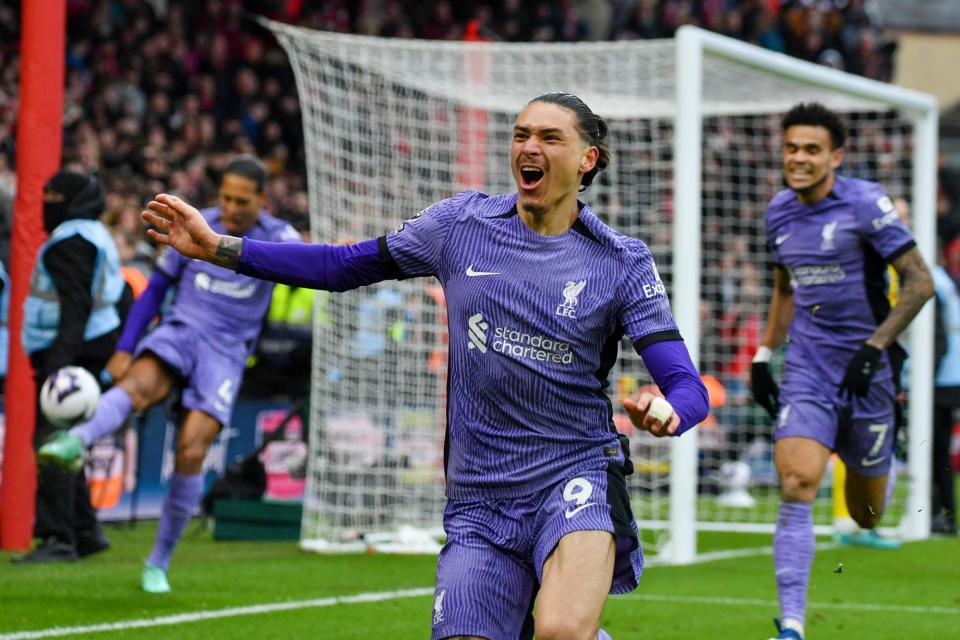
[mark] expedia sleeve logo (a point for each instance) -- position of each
(884, 220)
(651, 290)
(410, 219)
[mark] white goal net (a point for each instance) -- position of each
(395, 125)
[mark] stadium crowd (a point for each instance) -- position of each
(160, 93)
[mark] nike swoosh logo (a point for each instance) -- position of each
(569, 513)
(781, 239)
(472, 273)
(869, 463)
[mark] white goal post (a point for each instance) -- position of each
(393, 125)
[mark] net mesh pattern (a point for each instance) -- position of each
(395, 125)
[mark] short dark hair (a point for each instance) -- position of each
(816, 115)
(592, 128)
(249, 167)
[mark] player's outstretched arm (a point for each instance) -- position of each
(318, 266)
(179, 225)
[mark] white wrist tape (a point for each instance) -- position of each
(763, 354)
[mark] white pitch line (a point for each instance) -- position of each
(425, 591)
(181, 618)
(730, 554)
(751, 602)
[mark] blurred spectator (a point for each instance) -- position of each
(642, 22)
(158, 94)
(597, 17)
(439, 23)
(514, 21)
(946, 400)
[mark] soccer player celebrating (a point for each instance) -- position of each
(539, 292)
(831, 238)
(201, 344)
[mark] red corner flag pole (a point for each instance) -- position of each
(39, 123)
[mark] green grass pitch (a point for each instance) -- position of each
(912, 593)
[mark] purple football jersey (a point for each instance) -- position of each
(219, 303)
(535, 324)
(836, 251)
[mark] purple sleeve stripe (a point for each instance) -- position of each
(316, 266)
(143, 311)
(673, 371)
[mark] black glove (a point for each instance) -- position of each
(856, 380)
(764, 388)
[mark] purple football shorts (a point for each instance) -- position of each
(490, 567)
(859, 430)
(211, 372)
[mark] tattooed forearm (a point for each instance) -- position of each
(916, 287)
(228, 252)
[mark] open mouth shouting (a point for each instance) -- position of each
(530, 176)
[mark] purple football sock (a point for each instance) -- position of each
(182, 499)
(793, 548)
(115, 406)
(603, 635)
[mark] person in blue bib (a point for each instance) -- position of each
(72, 316)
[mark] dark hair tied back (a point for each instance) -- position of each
(592, 128)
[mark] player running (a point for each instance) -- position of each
(201, 345)
(831, 238)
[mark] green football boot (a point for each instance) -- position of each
(869, 539)
(154, 579)
(62, 449)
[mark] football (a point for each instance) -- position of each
(68, 396)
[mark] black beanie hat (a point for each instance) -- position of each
(83, 195)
